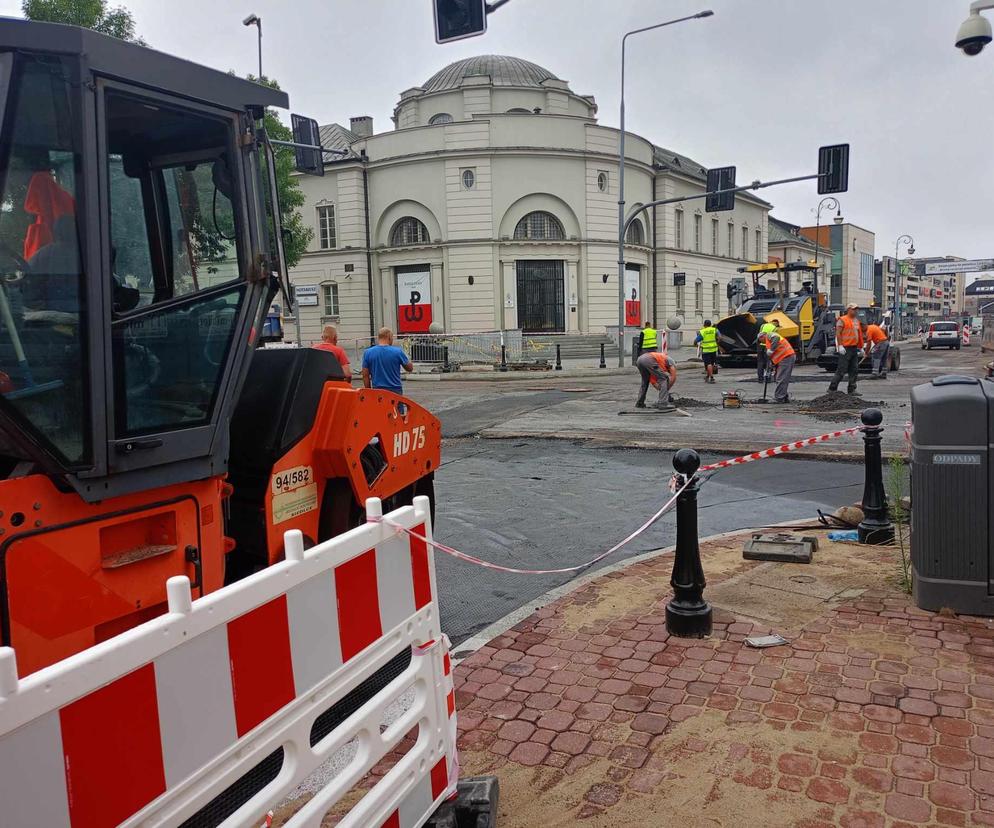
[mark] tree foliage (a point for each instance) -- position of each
(296, 235)
(116, 21)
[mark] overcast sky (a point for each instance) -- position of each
(761, 85)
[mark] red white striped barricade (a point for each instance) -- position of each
(216, 711)
(966, 334)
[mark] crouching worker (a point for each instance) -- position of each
(659, 370)
(781, 354)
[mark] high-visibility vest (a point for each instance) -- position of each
(848, 332)
(709, 340)
(781, 350)
(650, 339)
(876, 334)
(662, 361)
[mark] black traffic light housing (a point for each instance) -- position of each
(456, 19)
(833, 169)
(720, 178)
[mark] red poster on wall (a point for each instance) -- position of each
(633, 304)
(414, 301)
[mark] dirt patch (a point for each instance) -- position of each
(690, 402)
(838, 401)
(614, 598)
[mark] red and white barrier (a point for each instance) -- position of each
(966, 334)
(783, 448)
(150, 726)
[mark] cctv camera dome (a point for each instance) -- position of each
(974, 35)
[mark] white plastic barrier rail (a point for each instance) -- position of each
(154, 726)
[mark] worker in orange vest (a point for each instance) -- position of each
(877, 348)
(659, 370)
(849, 344)
(781, 354)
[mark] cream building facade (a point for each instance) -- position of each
(492, 204)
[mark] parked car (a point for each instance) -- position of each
(829, 360)
(941, 335)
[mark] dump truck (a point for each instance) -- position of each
(801, 316)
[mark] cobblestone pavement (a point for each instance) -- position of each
(876, 714)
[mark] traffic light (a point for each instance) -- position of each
(456, 19)
(833, 169)
(720, 178)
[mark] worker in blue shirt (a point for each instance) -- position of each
(381, 364)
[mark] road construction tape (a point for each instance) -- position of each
(462, 556)
(781, 449)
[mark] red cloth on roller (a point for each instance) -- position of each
(49, 202)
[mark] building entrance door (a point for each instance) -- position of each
(541, 297)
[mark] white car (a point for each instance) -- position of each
(941, 335)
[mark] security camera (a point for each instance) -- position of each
(974, 33)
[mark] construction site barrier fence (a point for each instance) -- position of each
(214, 712)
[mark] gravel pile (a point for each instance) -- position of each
(838, 401)
(689, 402)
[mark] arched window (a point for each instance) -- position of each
(440, 118)
(539, 225)
(518, 110)
(699, 296)
(635, 234)
(408, 230)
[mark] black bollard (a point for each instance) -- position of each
(503, 357)
(603, 363)
(875, 528)
(688, 615)
(559, 362)
(446, 367)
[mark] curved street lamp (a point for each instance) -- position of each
(621, 184)
(905, 239)
(833, 204)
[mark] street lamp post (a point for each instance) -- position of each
(255, 20)
(832, 204)
(906, 239)
(621, 184)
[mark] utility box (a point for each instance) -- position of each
(951, 495)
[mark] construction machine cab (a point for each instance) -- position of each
(135, 264)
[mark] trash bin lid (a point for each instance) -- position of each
(952, 410)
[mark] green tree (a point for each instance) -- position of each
(296, 235)
(90, 14)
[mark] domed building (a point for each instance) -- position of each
(492, 205)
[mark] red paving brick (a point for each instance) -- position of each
(884, 713)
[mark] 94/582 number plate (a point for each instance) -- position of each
(287, 481)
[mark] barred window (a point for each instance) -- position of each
(326, 227)
(329, 295)
(635, 234)
(409, 230)
(539, 225)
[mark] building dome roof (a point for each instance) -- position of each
(502, 69)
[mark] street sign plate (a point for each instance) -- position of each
(456, 19)
(967, 266)
(833, 169)
(679, 279)
(720, 178)
(305, 131)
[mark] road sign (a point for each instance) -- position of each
(720, 178)
(833, 169)
(966, 266)
(679, 279)
(306, 295)
(456, 19)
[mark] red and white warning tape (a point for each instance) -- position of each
(781, 449)
(677, 485)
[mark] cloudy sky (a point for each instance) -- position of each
(762, 85)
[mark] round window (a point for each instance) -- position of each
(602, 181)
(468, 179)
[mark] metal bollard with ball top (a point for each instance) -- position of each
(875, 528)
(688, 615)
